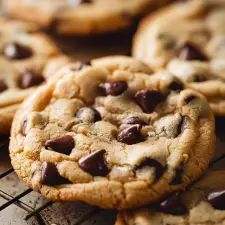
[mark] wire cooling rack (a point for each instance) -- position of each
(21, 205)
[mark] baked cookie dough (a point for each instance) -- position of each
(112, 134)
(188, 38)
(24, 53)
(203, 203)
(82, 17)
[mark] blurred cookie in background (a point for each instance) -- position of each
(24, 52)
(188, 38)
(82, 17)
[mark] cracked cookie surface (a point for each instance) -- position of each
(82, 17)
(203, 203)
(188, 38)
(112, 125)
(24, 53)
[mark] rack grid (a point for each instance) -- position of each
(36, 213)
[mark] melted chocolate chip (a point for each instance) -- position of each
(134, 120)
(63, 144)
(17, 51)
(190, 52)
(94, 163)
(131, 135)
(159, 169)
(30, 79)
(113, 88)
(50, 175)
(3, 86)
(88, 115)
(173, 205)
(217, 199)
(148, 100)
(178, 179)
(176, 86)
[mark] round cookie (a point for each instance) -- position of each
(203, 203)
(110, 125)
(24, 53)
(188, 38)
(82, 17)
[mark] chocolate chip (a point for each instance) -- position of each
(114, 88)
(173, 205)
(30, 79)
(88, 115)
(131, 135)
(148, 100)
(17, 51)
(217, 199)
(178, 179)
(159, 169)
(50, 175)
(190, 52)
(63, 144)
(3, 86)
(176, 86)
(94, 163)
(134, 120)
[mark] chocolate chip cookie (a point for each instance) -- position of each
(203, 203)
(191, 34)
(24, 53)
(112, 134)
(82, 17)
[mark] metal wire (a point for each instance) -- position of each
(38, 210)
(31, 211)
(6, 173)
(16, 198)
(217, 160)
(23, 206)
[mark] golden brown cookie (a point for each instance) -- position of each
(111, 125)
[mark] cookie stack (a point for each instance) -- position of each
(118, 132)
